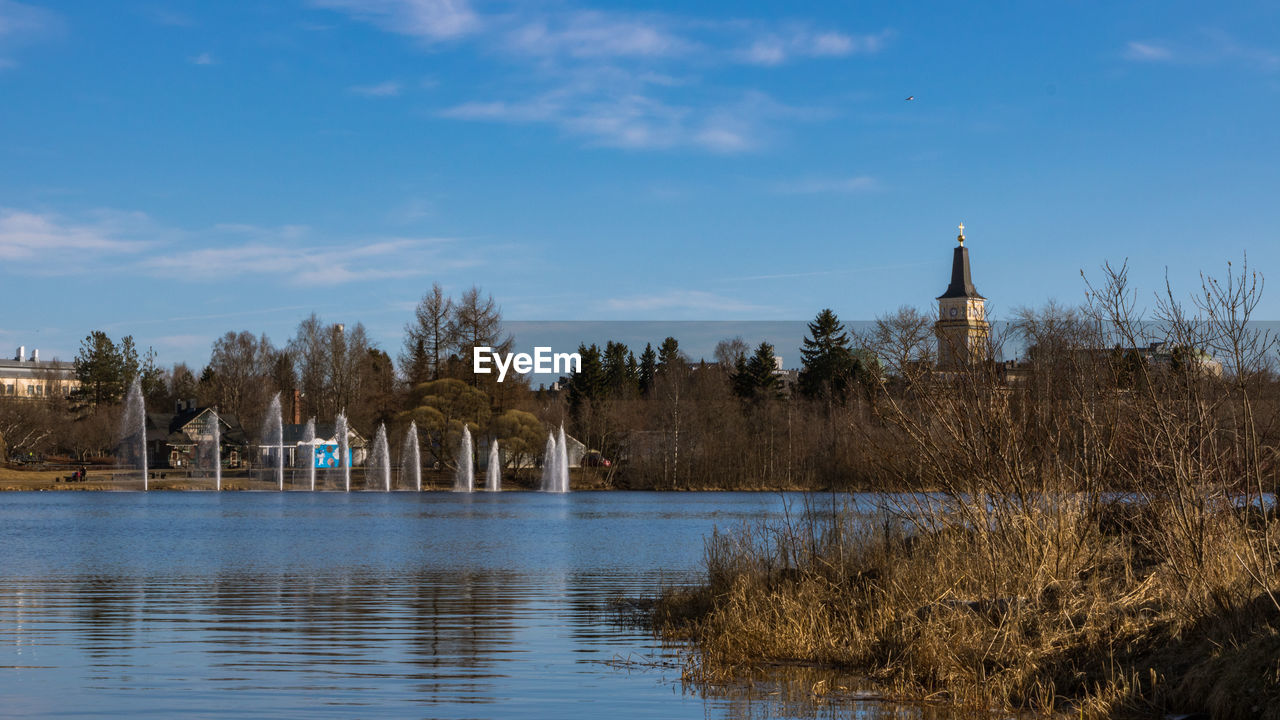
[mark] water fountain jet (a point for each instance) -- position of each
(309, 440)
(378, 467)
(132, 445)
(493, 472)
(344, 456)
(410, 459)
(273, 437)
(466, 477)
(549, 474)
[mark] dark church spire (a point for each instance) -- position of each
(961, 283)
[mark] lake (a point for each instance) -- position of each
(370, 605)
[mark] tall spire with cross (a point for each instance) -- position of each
(962, 328)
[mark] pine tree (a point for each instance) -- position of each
(754, 376)
(830, 364)
(616, 376)
(669, 355)
(648, 368)
(589, 382)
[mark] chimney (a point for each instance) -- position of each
(22, 353)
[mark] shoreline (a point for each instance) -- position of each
(12, 480)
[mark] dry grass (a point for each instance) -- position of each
(1083, 616)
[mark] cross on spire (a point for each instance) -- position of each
(961, 238)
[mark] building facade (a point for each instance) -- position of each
(31, 377)
(964, 335)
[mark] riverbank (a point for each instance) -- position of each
(28, 479)
(1070, 609)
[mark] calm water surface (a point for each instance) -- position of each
(370, 605)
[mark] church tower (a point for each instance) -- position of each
(962, 328)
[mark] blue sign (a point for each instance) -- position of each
(326, 456)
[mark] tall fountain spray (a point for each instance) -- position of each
(493, 471)
(466, 478)
(309, 441)
(410, 460)
(562, 463)
(273, 437)
(131, 450)
(549, 474)
(377, 469)
(211, 449)
(344, 458)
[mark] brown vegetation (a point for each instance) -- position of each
(1026, 581)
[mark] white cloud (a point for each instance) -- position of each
(604, 76)
(429, 20)
(812, 186)
(595, 35)
(289, 255)
(389, 88)
(18, 20)
(1148, 52)
(612, 108)
(1209, 47)
(22, 24)
(203, 59)
(57, 244)
(775, 48)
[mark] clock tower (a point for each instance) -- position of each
(962, 328)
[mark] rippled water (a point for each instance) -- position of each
(433, 605)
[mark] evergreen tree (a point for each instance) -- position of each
(830, 365)
(589, 382)
(648, 368)
(669, 355)
(616, 375)
(754, 376)
(100, 369)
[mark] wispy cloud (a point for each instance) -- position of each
(132, 243)
(204, 59)
(58, 244)
(22, 24)
(428, 20)
(293, 257)
(612, 108)
(389, 88)
(1209, 47)
(813, 186)
(1148, 52)
(775, 48)
(605, 76)
(593, 34)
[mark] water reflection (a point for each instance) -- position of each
(245, 605)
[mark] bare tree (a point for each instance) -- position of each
(903, 340)
(477, 322)
(428, 337)
(241, 367)
(730, 350)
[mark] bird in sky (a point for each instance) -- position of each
(911, 97)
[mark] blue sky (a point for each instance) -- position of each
(174, 170)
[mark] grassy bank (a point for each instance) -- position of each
(1065, 608)
(1027, 581)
